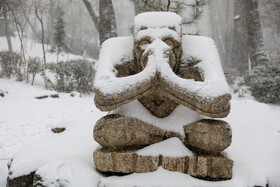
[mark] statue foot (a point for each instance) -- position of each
(122, 132)
(208, 136)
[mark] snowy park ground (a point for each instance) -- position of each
(26, 122)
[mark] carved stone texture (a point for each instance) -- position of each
(210, 167)
(208, 136)
(116, 132)
(205, 167)
(157, 103)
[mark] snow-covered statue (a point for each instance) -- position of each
(157, 87)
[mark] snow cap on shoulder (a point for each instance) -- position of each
(158, 20)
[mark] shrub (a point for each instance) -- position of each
(33, 66)
(264, 83)
(75, 75)
(11, 63)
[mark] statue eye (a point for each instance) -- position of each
(169, 42)
(144, 42)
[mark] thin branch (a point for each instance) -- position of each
(92, 13)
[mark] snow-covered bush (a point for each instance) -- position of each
(264, 83)
(75, 75)
(33, 66)
(10, 64)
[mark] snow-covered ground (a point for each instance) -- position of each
(26, 122)
(33, 49)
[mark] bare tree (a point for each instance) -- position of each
(20, 26)
(106, 22)
(6, 21)
(39, 9)
(92, 13)
(255, 35)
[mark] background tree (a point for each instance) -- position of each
(4, 10)
(238, 34)
(105, 23)
(257, 53)
(59, 35)
(177, 6)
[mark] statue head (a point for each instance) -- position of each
(157, 33)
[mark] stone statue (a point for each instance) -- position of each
(158, 85)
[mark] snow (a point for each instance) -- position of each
(204, 49)
(255, 148)
(157, 20)
(33, 49)
(118, 50)
(153, 33)
(180, 117)
(115, 51)
(172, 147)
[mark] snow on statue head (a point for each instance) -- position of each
(158, 85)
(157, 31)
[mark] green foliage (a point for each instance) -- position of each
(75, 75)
(10, 64)
(59, 35)
(264, 83)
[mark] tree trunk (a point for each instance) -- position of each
(7, 30)
(92, 14)
(239, 54)
(107, 20)
(40, 18)
(255, 37)
(51, 25)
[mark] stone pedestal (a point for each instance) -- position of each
(204, 167)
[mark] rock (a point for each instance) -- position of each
(204, 167)
(2, 93)
(214, 168)
(54, 96)
(116, 131)
(58, 129)
(179, 164)
(46, 96)
(75, 94)
(146, 163)
(103, 161)
(42, 97)
(208, 136)
(21, 181)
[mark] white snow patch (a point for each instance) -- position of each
(204, 49)
(157, 20)
(175, 122)
(114, 51)
(68, 173)
(172, 147)
(33, 49)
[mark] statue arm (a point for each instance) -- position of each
(210, 97)
(112, 91)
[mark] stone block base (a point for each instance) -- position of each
(202, 166)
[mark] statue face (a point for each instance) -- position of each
(157, 41)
